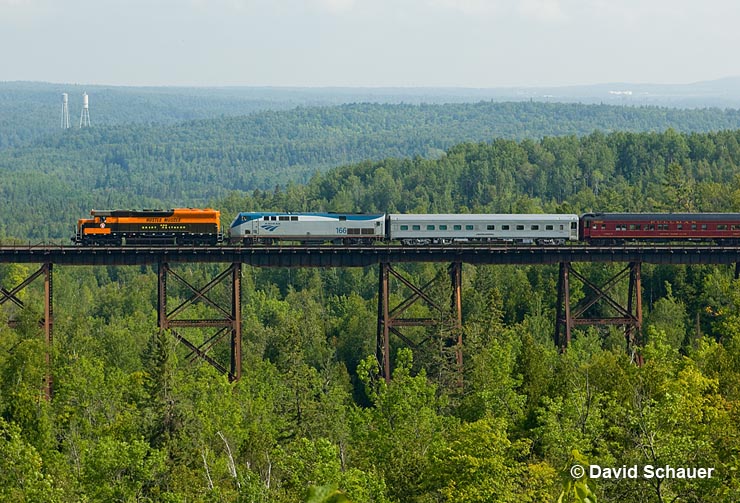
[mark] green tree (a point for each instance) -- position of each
(400, 428)
(480, 464)
(22, 474)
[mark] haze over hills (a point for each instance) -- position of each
(724, 92)
(721, 93)
(32, 109)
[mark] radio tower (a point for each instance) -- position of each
(65, 111)
(85, 116)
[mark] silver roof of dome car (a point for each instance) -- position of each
(484, 216)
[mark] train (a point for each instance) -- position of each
(194, 226)
(408, 229)
(180, 226)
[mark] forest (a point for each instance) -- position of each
(30, 111)
(60, 177)
(133, 420)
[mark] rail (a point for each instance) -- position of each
(362, 256)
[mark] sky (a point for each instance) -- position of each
(368, 43)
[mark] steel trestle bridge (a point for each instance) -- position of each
(391, 319)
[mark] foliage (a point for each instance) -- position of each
(411, 159)
(133, 419)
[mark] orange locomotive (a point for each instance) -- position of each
(176, 226)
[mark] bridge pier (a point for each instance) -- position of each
(629, 316)
(47, 323)
(229, 321)
(390, 320)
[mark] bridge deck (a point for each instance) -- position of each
(354, 256)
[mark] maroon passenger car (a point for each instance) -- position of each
(721, 228)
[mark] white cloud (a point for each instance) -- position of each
(543, 10)
(23, 7)
(336, 6)
(275, 6)
(395, 42)
(24, 15)
(470, 7)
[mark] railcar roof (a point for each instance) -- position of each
(350, 217)
(311, 214)
(132, 213)
(484, 216)
(688, 217)
(149, 212)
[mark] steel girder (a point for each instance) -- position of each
(228, 321)
(629, 316)
(46, 323)
(390, 320)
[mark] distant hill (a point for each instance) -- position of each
(31, 110)
(721, 93)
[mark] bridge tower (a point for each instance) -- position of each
(391, 319)
(629, 316)
(227, 320)
(46, 323)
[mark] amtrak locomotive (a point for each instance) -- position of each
(316, 228)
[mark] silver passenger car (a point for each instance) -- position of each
(305, 228)
(482, 228)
